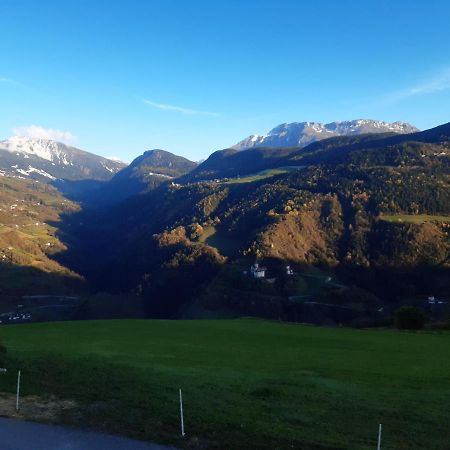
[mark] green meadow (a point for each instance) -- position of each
(247, 384)
(414, 218)
(262, 175)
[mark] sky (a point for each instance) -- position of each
(118, 78)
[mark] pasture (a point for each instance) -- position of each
(247, 384)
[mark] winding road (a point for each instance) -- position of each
(20, 435)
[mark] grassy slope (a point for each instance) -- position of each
(262, 175)
(257, 176)
(216, 237)
(414, 218)
(29, 214)
(247, 384)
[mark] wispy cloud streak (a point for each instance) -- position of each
(179, 109)
(438, 83)
(10, 81)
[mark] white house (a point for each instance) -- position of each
(432, 300)
(258, 271)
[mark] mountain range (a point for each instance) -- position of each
(47, 160)
(300, 134)
(370, 210)
(363, 208)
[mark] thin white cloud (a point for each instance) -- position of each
(38, 132)
(438, 83)
(11, 81)
(179, 109)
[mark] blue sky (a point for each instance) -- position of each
(121, 77)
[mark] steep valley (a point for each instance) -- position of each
(362, 223)
(183, 244)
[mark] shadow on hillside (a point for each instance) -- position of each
(324, 295)
(91, 241)
(100, 249)
(78, 190)
(96, 250)
(16, 280)
(28, 294)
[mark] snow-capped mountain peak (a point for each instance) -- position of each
(300, 134)
(42, 148)
(37, 158)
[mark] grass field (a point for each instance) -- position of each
(247, 384)
(218, 238)
(414, 218)
(268, 173)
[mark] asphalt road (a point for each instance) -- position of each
(20, 435)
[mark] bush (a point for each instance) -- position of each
(409, 318)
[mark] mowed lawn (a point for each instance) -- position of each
(247, 384)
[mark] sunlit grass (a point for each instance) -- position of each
(413, 218)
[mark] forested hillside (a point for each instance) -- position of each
(372, 213)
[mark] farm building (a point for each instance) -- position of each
(258, 271)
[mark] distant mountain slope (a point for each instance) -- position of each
(47, 160)
(30, 214)
(157, 163)
(233, 163)
(300, 134)
(144, 173)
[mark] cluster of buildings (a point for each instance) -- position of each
(17, 317)
(432, 300)
(257, 271)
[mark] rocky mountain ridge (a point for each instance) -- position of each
(45, 160)
(300, 134)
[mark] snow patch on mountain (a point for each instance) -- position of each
(109, 169)
(50, 150)
(33, 169)
(53, 160)
(162, 175)
(116, 159)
